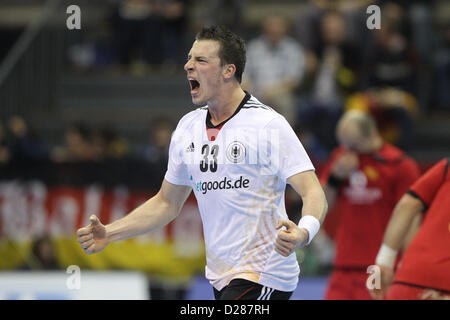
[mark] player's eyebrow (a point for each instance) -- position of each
(197, 57)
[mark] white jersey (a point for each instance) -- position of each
(239, 180)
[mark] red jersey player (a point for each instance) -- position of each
(424, 272)
(363, 181)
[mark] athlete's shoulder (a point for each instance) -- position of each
(254, 103)
(394, 154)
(400, 162)
(191, 117)
(259, 112)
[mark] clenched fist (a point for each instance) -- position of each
(291, 238)
(93, 237)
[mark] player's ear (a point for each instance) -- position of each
(229, 71)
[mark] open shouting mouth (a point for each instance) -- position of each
(195, 86)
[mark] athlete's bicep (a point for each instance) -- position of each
(304, 182)
(173, 194)
(307, 185)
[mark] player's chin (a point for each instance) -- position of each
(199, 97)
(198, 101)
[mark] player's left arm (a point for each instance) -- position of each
(410, 206)
(406, 214)
(314, 210)
(404, 223)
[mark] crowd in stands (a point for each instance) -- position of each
(312, 65)
(19, 143)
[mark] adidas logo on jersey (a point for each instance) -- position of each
(190, 148)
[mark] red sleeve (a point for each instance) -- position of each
(408, 172)
(426, 187)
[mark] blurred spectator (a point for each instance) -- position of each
(393, 110)
(423, 41)
(275, 66)
(77, 145)
(335, 65)
(307, 22)
(228, 13)
(312, 145)
(4, 150)
(390, 59)
(156, 150)
(149, 32)
(24, 144)
(109, 145)
(137, 30)
(42, 255)
(442, 71)
(175, 19)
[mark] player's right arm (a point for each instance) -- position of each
(155, 213)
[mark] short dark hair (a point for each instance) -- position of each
(232, 47)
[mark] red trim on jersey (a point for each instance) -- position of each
(213, 132)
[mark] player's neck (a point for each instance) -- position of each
(225, 105)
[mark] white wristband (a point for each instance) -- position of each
(311, 224)
(386, 256)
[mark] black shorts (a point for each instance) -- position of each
(241, 289)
